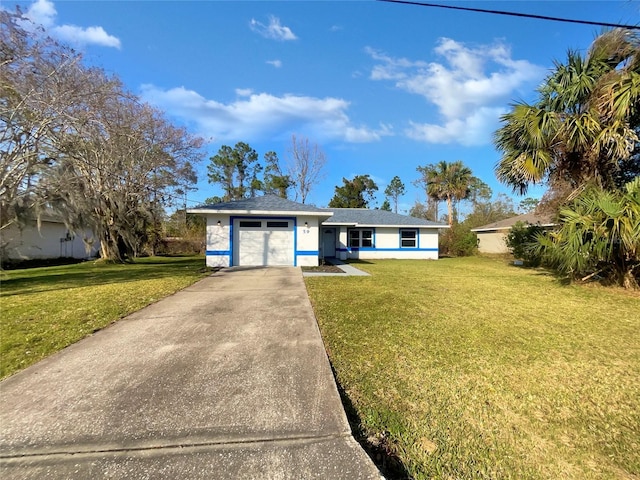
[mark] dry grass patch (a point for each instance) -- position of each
(472, 368)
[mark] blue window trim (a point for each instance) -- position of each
(296, 252)
(417, 230)
(360, 229)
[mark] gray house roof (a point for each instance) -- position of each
(363, 217)
(506, 224)
(274, 205)
(265, 205)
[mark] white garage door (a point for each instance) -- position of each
(264, 242)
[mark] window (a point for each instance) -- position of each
(361, 238)
(250, 224)
(354, 238)
(367, 238)
(274, 224)
(408, 238)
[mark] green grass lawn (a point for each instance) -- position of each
(42, 310)
(472, 368)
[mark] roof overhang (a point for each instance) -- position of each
(378, 225)
(255, 213)
(495, 229)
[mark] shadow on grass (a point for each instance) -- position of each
(95, 273)
(389, 464)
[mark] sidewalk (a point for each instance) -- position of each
(227, 379)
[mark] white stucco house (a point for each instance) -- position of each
(270, 230)
(491, 237)
(46, 240)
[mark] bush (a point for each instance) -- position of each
(179, 246)
(458, 241)
(522, 240)
(599, 236)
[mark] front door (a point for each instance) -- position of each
(329, 242)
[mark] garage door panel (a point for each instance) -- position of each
(265, 246)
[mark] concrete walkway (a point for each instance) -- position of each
(227, 379)
(349, 270)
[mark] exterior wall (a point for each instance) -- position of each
(492, 242)
(218, 252)
(307, 242)
(387, 244)
(220, 240)
(50, 241)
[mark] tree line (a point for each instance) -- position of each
(238, 172)
(75, 142)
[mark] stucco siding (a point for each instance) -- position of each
(218, 252)
(51, 240)
(387, 244)
(492, 242)
(221, 247)
(307, 241)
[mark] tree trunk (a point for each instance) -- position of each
(109, 248)
(450, 209)
(629, 280)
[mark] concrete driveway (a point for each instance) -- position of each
(225, 379)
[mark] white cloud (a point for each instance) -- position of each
(256, 116)
(469, 88)
(275, 63)
(273, 30)
(43, 12)
(473, 129)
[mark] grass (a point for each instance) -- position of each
(43, 310)
(472, 368)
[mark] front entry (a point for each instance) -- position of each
(329, 242)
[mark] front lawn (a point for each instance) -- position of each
(42, 310)
(473, 368)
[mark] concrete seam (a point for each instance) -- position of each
(176, 446)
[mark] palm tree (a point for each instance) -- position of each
(585, 123)
(428, 181)
(599, 234)
(452, 181)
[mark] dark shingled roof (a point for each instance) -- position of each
(364, 216)
(530, 218)
(264, 203)
(340, 216)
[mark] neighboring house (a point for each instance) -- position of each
(491, 237)
(50, 239)
(270, 230)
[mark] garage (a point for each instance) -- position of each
(268, 242)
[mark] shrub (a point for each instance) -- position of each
(522, 240)
(599, 235)
(458, 241)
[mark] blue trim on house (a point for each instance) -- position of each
(307, 252)
(417, 230)
(360, 229)
(232, 220)
(231, 241)
(295, 241)
(405, 249)
(218, 252)
(369, 249)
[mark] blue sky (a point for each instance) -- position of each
(381, 87)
